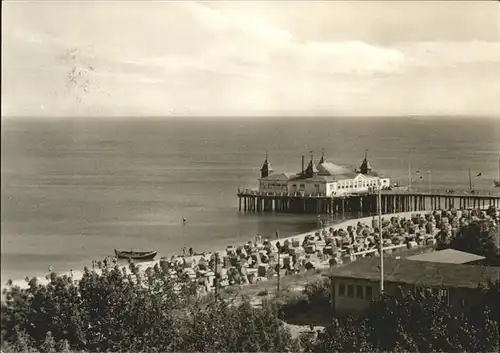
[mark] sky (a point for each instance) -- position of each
(249, 58)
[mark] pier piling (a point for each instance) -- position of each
(361, 204)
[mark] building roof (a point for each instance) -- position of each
(335, 170)
(450, 256)
(279, 176)
(323, 178)
(417, 272)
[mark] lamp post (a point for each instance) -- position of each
(279, 268)
(409, 177)
(381, 240)
(216, 289)
(409, 170)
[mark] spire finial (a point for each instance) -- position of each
(366, 153)
(267, 156)
(322, 160)
(311, 154)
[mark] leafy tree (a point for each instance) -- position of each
(478, 237)
(49, 345)
(118, 311)
(421, 323)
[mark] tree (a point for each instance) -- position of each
(479, 237)
(422, 323)
(117, 311)
(49, 345)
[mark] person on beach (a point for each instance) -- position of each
(190, 251)
(71, 273)
(184, 251)
(50, 268)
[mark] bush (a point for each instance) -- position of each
(319, 292)
(405, 323)
(117, 312)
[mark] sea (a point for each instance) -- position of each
(73, 190)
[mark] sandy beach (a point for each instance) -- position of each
(77, 274)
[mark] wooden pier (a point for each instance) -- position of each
(362, 204)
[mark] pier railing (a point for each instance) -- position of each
(432, 192)
(256, 192)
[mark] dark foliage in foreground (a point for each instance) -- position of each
(118, 312)
(477, 236)
(422, 323)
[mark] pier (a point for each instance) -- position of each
(362, 204)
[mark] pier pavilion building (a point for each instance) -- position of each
(321, 179)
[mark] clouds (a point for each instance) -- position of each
(153, 58)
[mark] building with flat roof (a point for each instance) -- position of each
(449, 256)
(355, 285)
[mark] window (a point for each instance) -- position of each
(350, 291)
(302, 185)
(341, 290)
(368, 292)
(444, 295)
(359, 292)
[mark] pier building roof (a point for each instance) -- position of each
(417, 272)
(327, 168)
(279, 176)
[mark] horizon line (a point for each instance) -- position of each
(284, 116)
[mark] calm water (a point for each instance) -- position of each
(74, 190)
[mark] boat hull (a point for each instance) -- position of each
(135, 255)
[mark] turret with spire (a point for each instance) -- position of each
(311, 169)
(365, 167)
(266, 169)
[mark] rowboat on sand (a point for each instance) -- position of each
(135, 255)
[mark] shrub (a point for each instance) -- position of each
(424, 323)
(116, 312)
